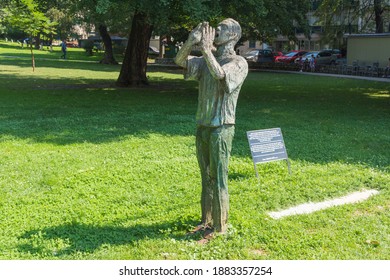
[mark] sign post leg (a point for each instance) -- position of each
(257, 173)
(288, 166)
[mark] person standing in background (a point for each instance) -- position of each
(63, 49)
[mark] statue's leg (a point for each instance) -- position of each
(220, 148)
(202, 152)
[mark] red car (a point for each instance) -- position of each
(277, 55)
(291, 56)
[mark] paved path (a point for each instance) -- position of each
(376, 79)
(48, 59)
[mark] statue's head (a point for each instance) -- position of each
(227, 30)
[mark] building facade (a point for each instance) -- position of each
(353, 17)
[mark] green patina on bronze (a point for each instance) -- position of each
(220, 78)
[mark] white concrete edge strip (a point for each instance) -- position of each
(308, 208)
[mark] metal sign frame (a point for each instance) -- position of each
(267, 145)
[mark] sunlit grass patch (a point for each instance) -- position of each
(92, 171)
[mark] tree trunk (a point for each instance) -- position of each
(32, 58)
(378, 16)
(37, 41)
(108, 52)
(133, 71)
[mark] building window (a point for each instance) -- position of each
(252, 43)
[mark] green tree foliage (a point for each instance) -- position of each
(105, 16)
(3, 27)
(115, 14)
(260, 19)
(25, 15)
(265, 19)
(179, 17)
(56, 11)
(163, 16)
(64, 19)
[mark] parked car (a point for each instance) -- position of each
(336, 52)
(260, 56)
(327, 57)
(265, 56)
(251, 55)
(291, 56)
(277, 59)
(153, 52)
(72, 44)
(277, 55)
(305, 57)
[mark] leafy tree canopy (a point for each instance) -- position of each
(25, 15)
(260, 19)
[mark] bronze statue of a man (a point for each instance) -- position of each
(220, 77)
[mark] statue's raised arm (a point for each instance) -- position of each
(207, 47)
(193, 39)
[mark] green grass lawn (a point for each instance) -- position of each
(16, 49)
(91, 171)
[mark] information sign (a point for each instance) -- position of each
(267, 145)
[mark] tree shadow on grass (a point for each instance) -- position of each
(318, 125)
(63, 114)
(83, 238)
(69, 65)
